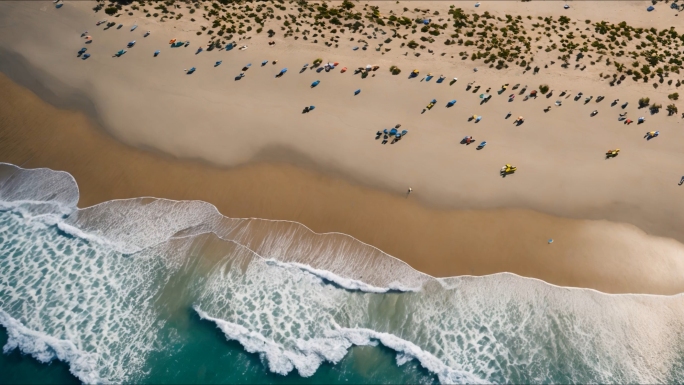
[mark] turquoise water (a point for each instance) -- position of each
(156, 291)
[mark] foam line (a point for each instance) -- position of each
(310, 354)
(346, 283)
(45, 348)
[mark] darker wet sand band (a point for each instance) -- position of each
(595, 254)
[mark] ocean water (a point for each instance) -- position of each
(154, 291)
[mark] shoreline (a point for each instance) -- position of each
(592, 254)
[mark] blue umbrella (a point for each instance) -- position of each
(156, 53)
(314, 84)
(249, 65)
(357, 92)
(282, 71)
(263, 63)
(218, 63)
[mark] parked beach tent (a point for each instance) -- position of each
(314, 84)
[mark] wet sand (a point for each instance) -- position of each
(611, 257)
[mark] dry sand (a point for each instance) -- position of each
(151, 103)
(614, 258)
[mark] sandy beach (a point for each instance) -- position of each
(138, 125)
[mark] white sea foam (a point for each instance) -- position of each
(345, 283)
(310, 354)
(501, 328)
(45, 348)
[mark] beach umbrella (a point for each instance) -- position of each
(314, 84)
(357, 92)
(282, 71)
(88, 37)
(134, 27)
(482, 96)
(474, 116)
(263, 63)
(249, 65)
(156, 53)
(369, 66)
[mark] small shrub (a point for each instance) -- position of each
(671, 109)
(111, 10)
(395, 70)
(673, 96)
(643, 102)
(543, 88)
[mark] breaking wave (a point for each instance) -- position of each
(98, 287)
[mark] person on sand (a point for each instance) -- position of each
(410, 190)
(681, 181)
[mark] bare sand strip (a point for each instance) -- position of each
(611, 257)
